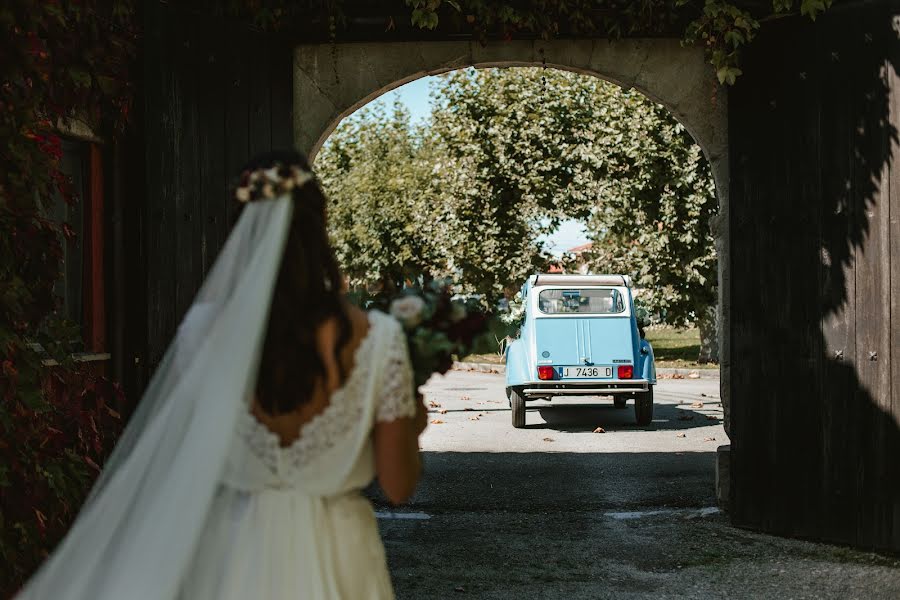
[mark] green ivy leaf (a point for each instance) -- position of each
(80, 77)
(728, 75)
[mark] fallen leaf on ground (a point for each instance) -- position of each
(703, 396)
(548, 439)
(437, 422)
(473, 418)
(684, 417)
(680, 435)
(709, 439)
(465, 398)
(677, 376)
(433, 404)
(443, 411)
(697, 405)
(599, 430)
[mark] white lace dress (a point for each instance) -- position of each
(291, 522)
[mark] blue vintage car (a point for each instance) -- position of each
(580, 337)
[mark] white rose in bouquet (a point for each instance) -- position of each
(408, 310)
(458, 312)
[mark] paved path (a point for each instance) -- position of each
(557, 511)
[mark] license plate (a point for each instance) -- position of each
(585, 372)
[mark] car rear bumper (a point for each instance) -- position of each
(607, 387)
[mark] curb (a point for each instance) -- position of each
(660, 373)
(669, 373)
(479, 367)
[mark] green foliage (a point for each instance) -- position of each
(378, 185)
(653, 218)
(505, 156)
(722, 27)
(60, 60)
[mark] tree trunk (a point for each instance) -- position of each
(708, 323)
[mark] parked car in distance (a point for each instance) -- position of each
(580, 337)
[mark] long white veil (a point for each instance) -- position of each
(137, 531)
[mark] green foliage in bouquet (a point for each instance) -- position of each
(440, 328)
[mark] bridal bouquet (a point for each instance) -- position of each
(439, 328)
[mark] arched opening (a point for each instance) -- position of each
(556, 466)
(331, 82)
(543, 152)
(499, 159)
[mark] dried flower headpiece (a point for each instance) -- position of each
(266, 184)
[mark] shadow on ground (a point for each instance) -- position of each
(549, 481)
(600, 525)
(572, 418)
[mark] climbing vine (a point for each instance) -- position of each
(60, 61)
(721, 27)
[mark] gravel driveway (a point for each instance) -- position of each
(558, 511)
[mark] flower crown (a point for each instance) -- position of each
(266, 184)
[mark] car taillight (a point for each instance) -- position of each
(545, 373)
(626, 371)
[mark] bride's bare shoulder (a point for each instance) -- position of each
(358, 317)
(359, 322)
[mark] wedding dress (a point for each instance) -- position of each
(198, 500)
(290, 523)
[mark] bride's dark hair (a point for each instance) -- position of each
(307, 293)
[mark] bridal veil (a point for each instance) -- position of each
(137, 531)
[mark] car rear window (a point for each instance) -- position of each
(585, 301)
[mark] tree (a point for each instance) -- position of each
(507, 155)
(379, 209)
(531, 146)
(654, 216)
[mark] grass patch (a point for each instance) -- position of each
(676, 348)
(493, 359)
(673, 349)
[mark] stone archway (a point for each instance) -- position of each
(331, 81)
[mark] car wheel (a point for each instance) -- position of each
(643, 407)
(619, 402)
(517, 404)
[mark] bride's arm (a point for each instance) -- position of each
(397, 461)
(400, 419)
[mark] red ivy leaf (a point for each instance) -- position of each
(69, 232)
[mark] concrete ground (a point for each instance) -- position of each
(558, 511)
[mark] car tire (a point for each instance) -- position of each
(619, 402)
(517, 406)
(643, 407)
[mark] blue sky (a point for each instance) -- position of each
(415, 96)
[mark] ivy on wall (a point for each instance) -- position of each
(721, 27)
(58, 61)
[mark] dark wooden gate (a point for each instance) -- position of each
(213, 96)
(815, 235)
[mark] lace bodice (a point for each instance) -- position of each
(378, 389)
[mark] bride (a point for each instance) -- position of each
(239, 475)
